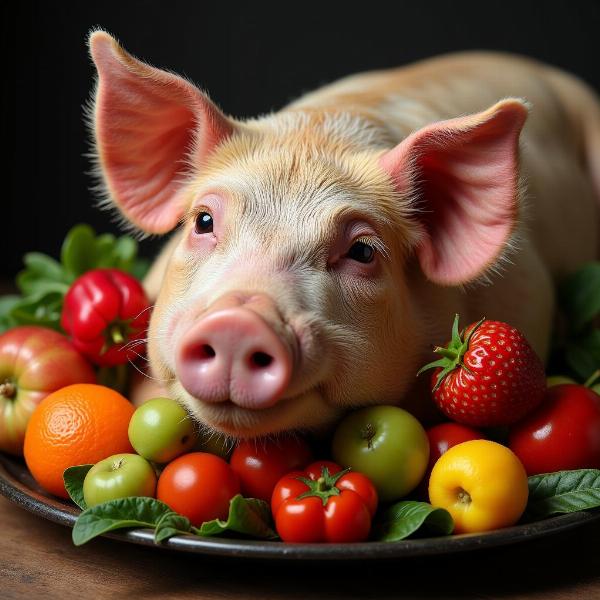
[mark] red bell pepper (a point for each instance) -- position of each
(105, 311)
(323, 504)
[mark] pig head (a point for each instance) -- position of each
(288, 291)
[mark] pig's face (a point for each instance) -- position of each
(287, 297)
(318, 238)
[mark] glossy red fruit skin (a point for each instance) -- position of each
(99, 301)
(198, 486)
(345, 517)
(261, 463)
(562, 434)
(506, 379)
(445, 435)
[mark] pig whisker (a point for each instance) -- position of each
(135, 342)
(150, 376)
(132, 343)
(187, 417)
(141, 356)
(143, 311)
(208, 434)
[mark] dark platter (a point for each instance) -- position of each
(18, 486)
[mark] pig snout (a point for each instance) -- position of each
(233, 353)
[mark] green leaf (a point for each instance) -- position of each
(124, 253)
(6, 323)
(171, 524)
(563, 492)
(43, 310)
(44, 266)
(405, 518)
(78, 253)
(73, 478)
(247, 516)
(42, 275)
(31, 284)
(105, 246)
(140, 267)
(579, 295)
(583, 354)
(118, 514)
(83, 251)
(7, 303)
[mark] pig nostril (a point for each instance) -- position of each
(260, 360)
(206, 352)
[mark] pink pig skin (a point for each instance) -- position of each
(318, 252)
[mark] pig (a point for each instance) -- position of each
(318, 252)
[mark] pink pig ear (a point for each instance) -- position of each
(149, 125)
(465, 174)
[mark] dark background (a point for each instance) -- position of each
(251, 58)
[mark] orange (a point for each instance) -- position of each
(482, 484)
(78, 424)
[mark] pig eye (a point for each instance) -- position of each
(204, 223)
(361, 252)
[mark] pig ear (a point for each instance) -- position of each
(150, 126)
(465, 174)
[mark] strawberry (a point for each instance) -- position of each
(488, 375)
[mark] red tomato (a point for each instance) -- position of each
(563, 433)
(323, 504)
(199, 486)
(260, 464)
(442, 437)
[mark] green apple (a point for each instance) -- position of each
(161, 429)
(385, 443)
(119, 476)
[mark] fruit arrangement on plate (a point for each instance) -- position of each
(517, 446)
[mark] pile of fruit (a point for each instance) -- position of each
(517, 446)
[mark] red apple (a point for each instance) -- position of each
(34, 362)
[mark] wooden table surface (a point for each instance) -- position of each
(38, 560)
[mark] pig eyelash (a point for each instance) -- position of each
(199, 209)
(374, 243)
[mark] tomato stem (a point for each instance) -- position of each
(323, 487)
(116, 335)
(322, 484)
(8, 389)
